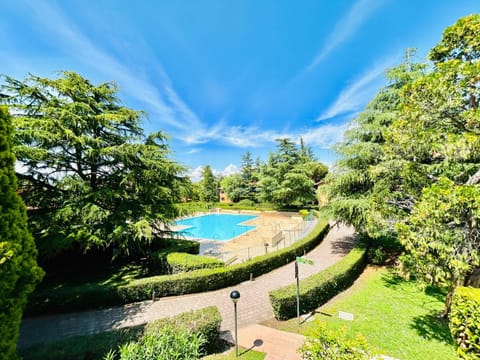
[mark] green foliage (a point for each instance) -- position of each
(319, 288)
(304, 213)
(364, 191)
(158, 259)
(179, 262)
(256, 207)
(166, 344)
(441, 236)
(413, 158)
(246, 203)
(289, 175)
(209, 186)
(460, 41)
(19, 272)
(324, 343)
(89, 174)
(204, 323)
(189, 208)
(464, 322)
(376, 256)
(234, 186)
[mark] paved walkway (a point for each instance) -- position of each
(253, 306)
(278, 345)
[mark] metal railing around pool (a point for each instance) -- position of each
(280, 239)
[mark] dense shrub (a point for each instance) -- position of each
(179, 262)
(331, 344)
(319, 288)
(95, 296)
(238, 206)
(246, 203)
(158, 259)
(165, 344)
(205, 323)
(465, 322)
(18, 266)
(188, 208)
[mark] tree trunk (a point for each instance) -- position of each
(448, 304)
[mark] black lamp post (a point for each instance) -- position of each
(235, 295)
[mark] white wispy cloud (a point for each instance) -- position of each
(358, 92)
(196, 174)
(228, 170)
(161, 98)
(324, 136)
(346, 27)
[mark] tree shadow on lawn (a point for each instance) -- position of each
(393, 280)
(431, 327)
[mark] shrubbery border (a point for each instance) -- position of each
(463, 322)
(317, 289)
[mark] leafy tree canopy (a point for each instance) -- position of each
(89, 175)
(289, 175)
(414, 160)
(209, 185)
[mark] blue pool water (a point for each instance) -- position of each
(222, 227)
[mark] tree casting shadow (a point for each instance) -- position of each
(431, 327)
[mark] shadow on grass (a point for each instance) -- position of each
(436, 293)
(431, 327)
(256, 343)
(393, 280)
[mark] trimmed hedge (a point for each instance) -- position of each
(465, 322)
(205, 322)
(179, 262)
(213, 279)
(319, 288)
(158, 259)
(74, 298)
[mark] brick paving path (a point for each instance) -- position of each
(278, 345)
(253, 306)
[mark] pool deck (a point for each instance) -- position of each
(252, 243)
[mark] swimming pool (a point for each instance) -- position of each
(221, 227)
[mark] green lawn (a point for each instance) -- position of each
(243, 354)
(395, 316)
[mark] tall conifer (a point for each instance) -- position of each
(19, 272)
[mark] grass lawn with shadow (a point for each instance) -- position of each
(244, 354)
(395, 316)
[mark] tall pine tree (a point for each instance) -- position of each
(19, 272)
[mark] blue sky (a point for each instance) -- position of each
(223, 77)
